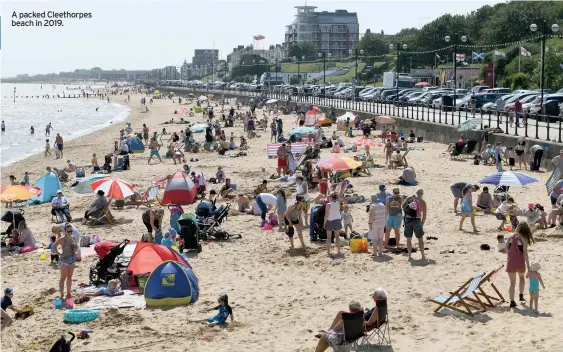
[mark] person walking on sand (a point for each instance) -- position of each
(467, 206)
(3, 126)
(59, 144)
(153, 146)
(32, 130)
(376, 223)
(517, 260)
(415, 217)
(394, 216)
(333, 222)
(145, 134)
(457, 191)
(67, 249)
(292, 217)
(535, 280)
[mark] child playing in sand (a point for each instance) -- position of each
(224, 309)
(347, 220)
(506, 208)
(95, 166)
(511, 157)
(47, 147)
(535, 280)
(167, 241)
(54, 253)
(113, 289)
(220, 175)
(467, 206)
(501, 245)
(26, 178)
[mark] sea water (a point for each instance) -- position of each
(71, 118)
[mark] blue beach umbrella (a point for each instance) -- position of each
(302, 130)
(508, 178)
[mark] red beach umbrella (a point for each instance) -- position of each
(113, 187)
(179, 190)
(363, 141)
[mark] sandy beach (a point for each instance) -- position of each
(281, 298)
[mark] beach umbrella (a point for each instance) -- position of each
(202, 97)
(85, 183)
(12, 193)
(384, 120)
(157, 92)
(113, 187)
(363, 141)
(508, 178)
(198, 127)
(272, 101)
(179, 190)
(302, 130)
(470, 124)
(336, 163)
(422, 84)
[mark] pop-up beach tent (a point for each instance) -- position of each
(49, 184)
(170, 284)
(147, 256)
(135, 145)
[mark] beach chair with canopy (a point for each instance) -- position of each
(458, 301)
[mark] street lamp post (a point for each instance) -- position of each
(324, 56)
(447, 39)
(405, 47)
(361, 53)
(533, 28)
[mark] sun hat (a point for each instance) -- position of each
(535, 266)
(59, 191)
(9, 291)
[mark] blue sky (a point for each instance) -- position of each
(152, 34)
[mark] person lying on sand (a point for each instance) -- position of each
(113, 289)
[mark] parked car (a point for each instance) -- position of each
(498, 90)
(480, 100)
(524, 99)
(550, 106)
(478, 89)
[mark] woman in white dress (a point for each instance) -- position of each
(303, 191)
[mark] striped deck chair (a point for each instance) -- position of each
(149, 197)
(458, 299)
(488, 300)
(296, 148)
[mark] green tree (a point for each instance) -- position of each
(307, 49)
(373, 46)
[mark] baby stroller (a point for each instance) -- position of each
(210, 226)
(14, 217)
(189, 233)
(316, 223)
(106, 268)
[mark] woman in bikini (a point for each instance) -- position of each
(520, 151)
(67, 248)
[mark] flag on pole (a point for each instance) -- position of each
(259, 37)
(524, 52)
(499, 53)
(459, 57)
(477, 56)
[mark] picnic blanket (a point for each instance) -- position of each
(295, 148)
(129, 299)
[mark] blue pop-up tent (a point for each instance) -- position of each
(135, 145)
(171, 283)
(49, 184)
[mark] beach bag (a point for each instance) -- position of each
(412, 207)
(273, 220)
(84, 241)
(358, 245)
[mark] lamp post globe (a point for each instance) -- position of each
(329, 55)
(533, 27)
(464, 38)
(447, 39)
(303, 57)
(391, 46)
(362, 52)
(320, 55)
(555, 28)
(405, 46)
(295, 58)
(350, 52)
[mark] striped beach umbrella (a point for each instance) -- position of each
(335, 163)
(363, 141)
(113, 187)
(508, 178)
(179, 190)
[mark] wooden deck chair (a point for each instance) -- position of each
(353, 331)
(458, 300)
(488, 300)
(149, 197)
(105, 215)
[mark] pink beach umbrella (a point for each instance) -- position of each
(113, 187)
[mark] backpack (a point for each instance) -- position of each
(412, 207)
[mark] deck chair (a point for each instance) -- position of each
(470, 146)
(457, 151)
(149, 197)
(353, 331)
(458, 301)
(379, 330)
(105, 216)
(488, 300)
(160, 182)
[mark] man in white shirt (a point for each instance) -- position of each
(60, 207)
(124, 149)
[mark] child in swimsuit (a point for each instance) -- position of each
(535, 280)
(224, 309)
(467, 206)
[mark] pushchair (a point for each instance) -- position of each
(106, 268)
(210, 226)
(316, 223)
(189, 233)
(14, 217)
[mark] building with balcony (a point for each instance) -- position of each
(205, 57)
(121, 75)
(332, 32)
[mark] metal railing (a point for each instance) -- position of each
(537, 126)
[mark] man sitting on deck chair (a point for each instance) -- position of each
(96, 208)
(60, 207)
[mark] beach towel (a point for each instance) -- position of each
(129, 299)
(295, 148)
